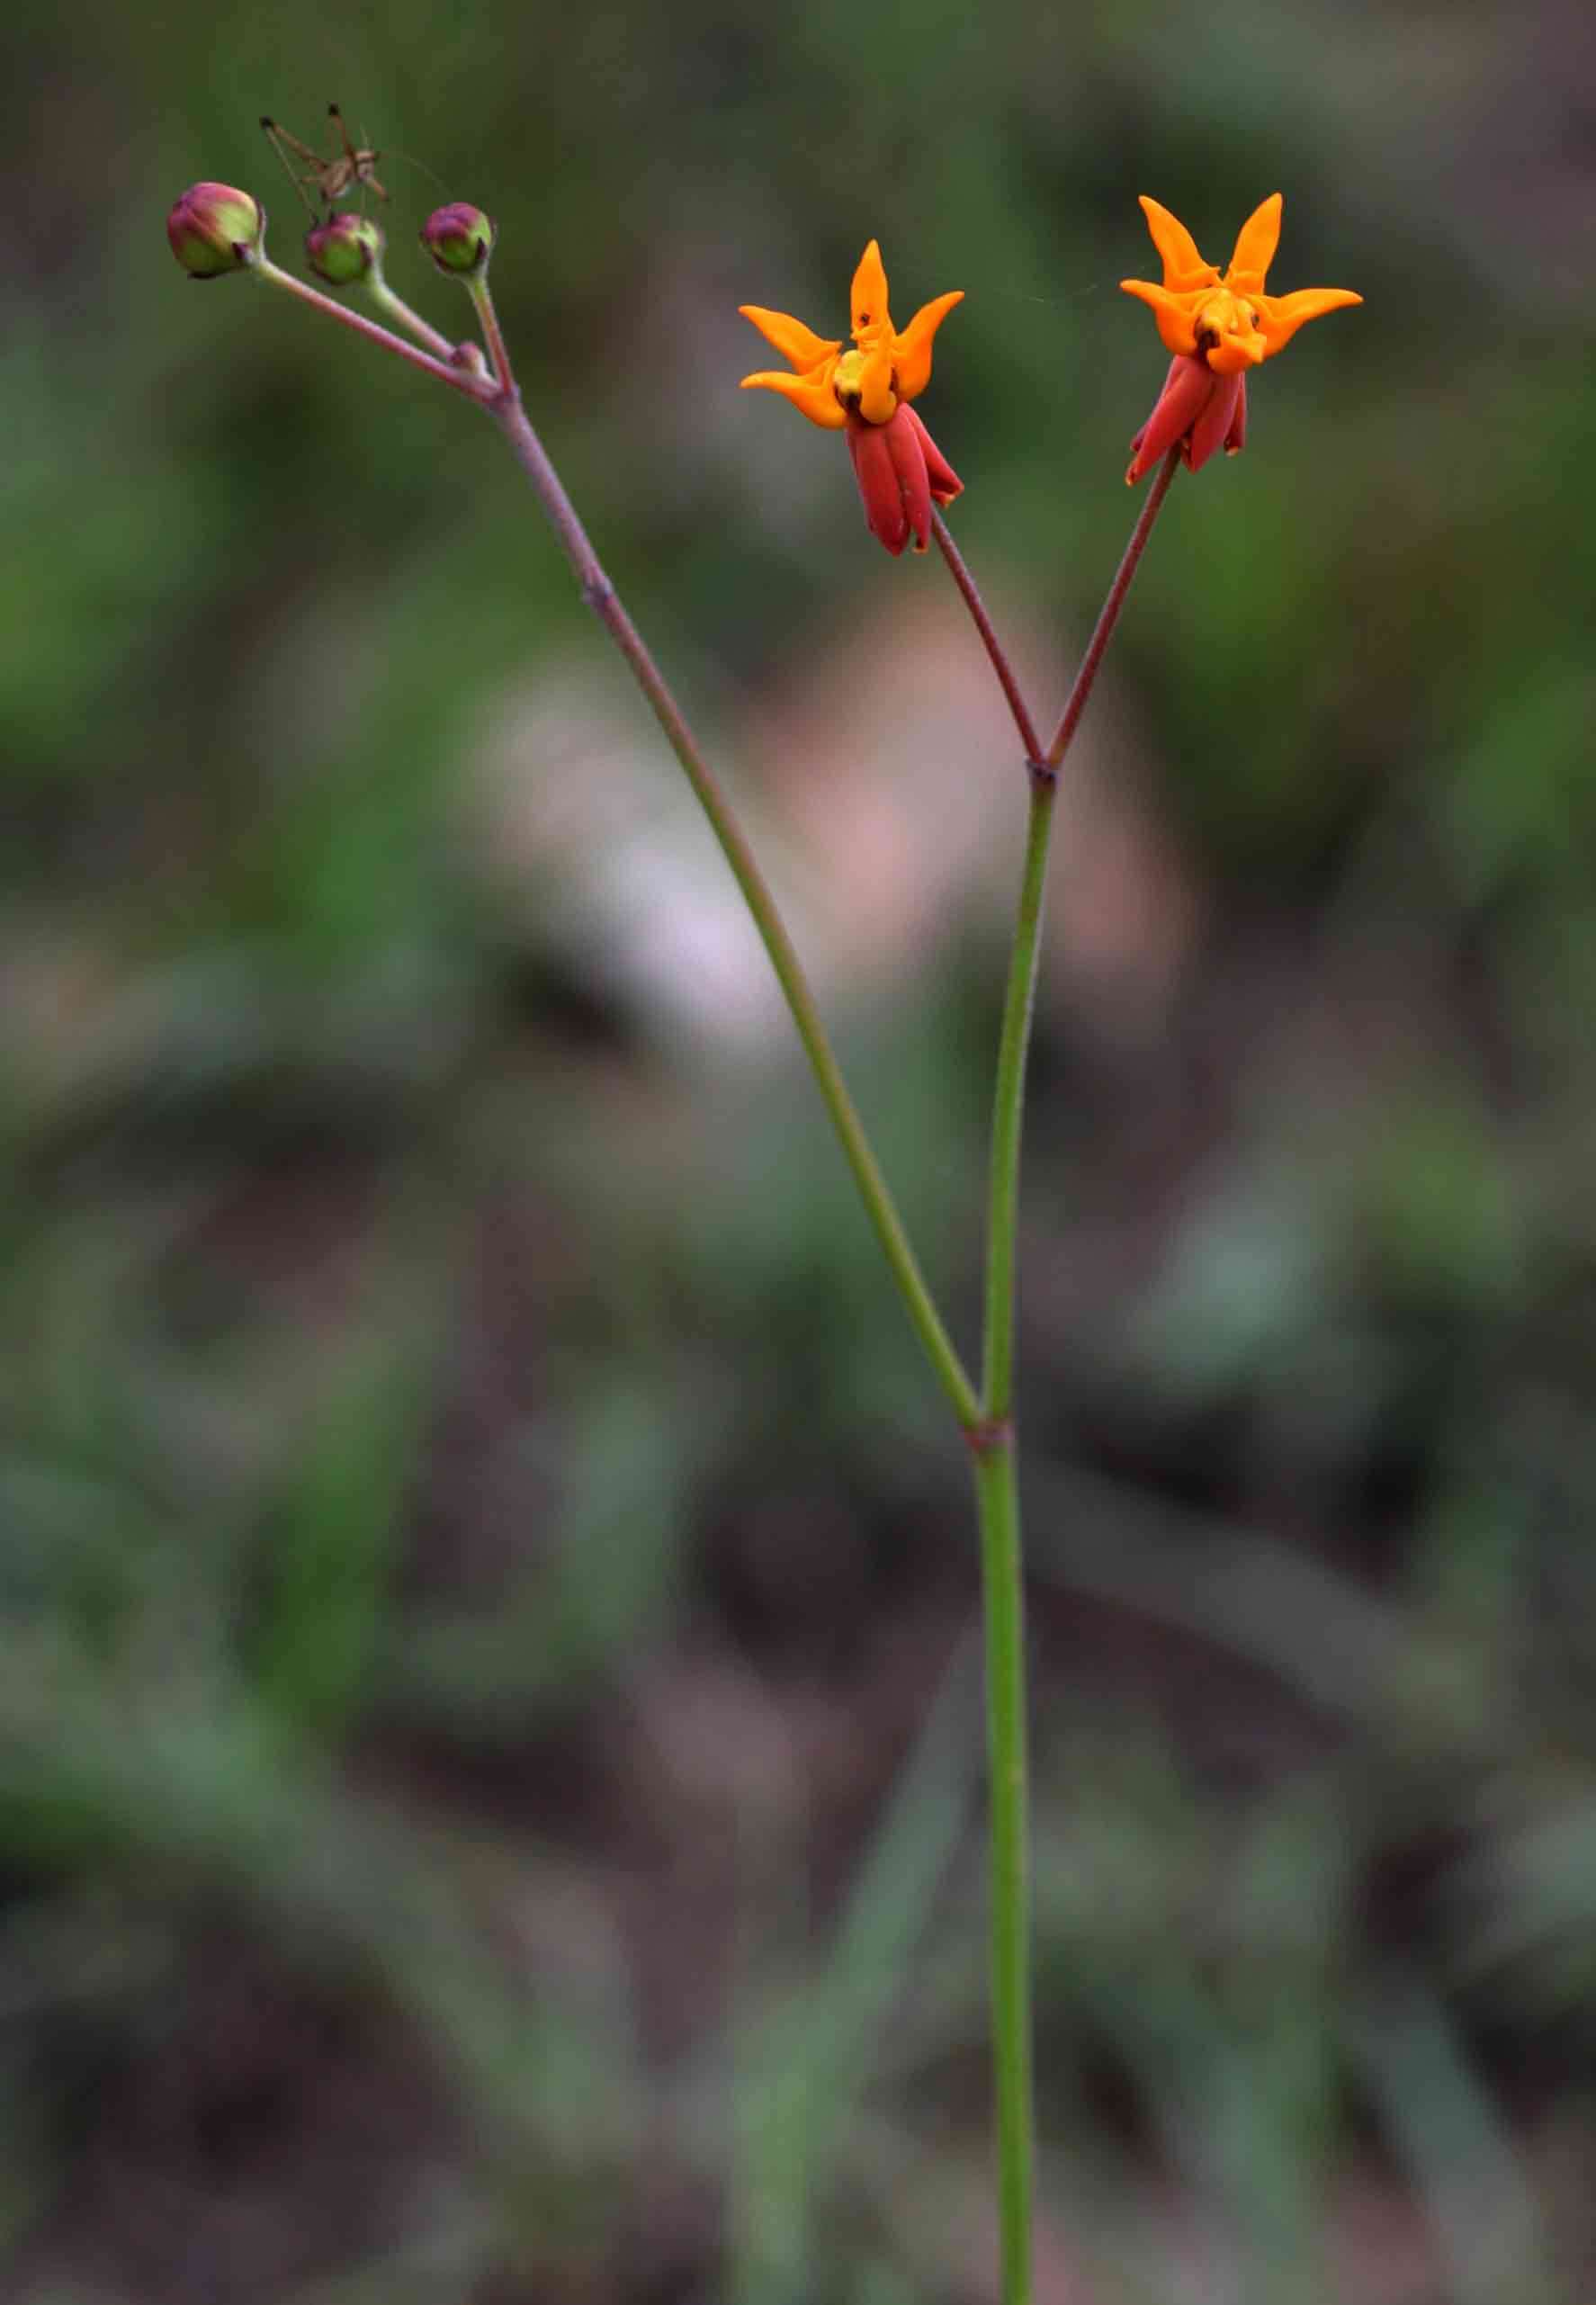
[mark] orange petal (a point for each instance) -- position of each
(810, 395)
(1183, 263)
(880, 486)
(1256, 243)
(912, 348)
(791, 338)
(1283, 316)
(1233, 355)
(1175, 314)
(869, 298)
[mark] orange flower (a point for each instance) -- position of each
(866, 392)
(1218, 329)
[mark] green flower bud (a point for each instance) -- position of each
(458, 238)
(215, 228)
(345, 248)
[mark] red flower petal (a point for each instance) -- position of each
(908, 462)
(879, 484)
(1213, 426)
(1235, 439)
(946, 483)
(1187, 389)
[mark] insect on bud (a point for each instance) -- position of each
(346, 248)
(215, 228)
(458, 238)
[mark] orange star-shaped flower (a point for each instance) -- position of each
(866, 392)
(1218, 329)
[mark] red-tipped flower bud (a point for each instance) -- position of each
(215, 228)
(458, 238)
(345, 248)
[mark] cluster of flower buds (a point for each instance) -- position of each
(216, 229)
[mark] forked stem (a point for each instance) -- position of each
(386, 301)
(471, 381)
(1008, 1101)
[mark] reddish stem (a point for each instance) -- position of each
(1108, 615)
(993, 646)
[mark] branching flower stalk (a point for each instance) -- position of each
(993, 1447)
(466, 374)
(1216, 329)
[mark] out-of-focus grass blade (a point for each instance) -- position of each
(590, 1592)
(332, 1537)
(196, 1793)
(1319, 1633)
(802, 2066)
(1455, 2141)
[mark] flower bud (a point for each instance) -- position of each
(345, 248)
(215, 228)
(458, 238)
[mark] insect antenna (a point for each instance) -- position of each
(409, 160)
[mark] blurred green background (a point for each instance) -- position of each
(489, 1786)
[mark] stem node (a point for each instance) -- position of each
(989, 1435)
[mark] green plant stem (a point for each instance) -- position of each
(471, 381)
(997, 1391)
(1020, 1002)
(600, 595)
(997, 1504)
(997, 1496)
(498, 352)
(1009, 1891)
(386, 301)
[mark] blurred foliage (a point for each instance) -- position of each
(489, 1733)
